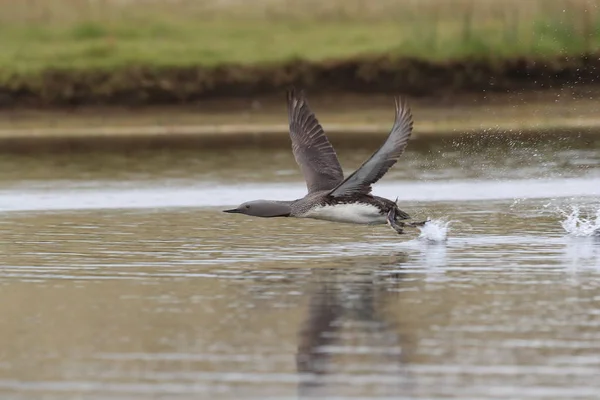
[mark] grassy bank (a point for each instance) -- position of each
(162, 51)
(36, 35)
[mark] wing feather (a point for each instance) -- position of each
(382, 160)
(314, 154)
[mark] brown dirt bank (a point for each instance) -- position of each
(350, 120)
(146, 86)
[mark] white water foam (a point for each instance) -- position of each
(435, 231)
(575, 224)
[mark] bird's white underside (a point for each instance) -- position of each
(349, 213)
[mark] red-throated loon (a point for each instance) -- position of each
(331, 197)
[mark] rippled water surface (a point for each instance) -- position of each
(121, 279)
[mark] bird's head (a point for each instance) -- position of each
(262, 208)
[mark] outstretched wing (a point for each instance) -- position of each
(382, 160)
(313, 152)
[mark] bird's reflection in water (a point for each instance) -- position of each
(347, 346)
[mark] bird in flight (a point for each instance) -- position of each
(330, 196)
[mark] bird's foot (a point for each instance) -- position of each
(417, 224)
(395, 225)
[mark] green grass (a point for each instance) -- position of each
(76, 34)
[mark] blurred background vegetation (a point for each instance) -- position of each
(78, 34)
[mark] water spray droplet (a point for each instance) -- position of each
(435, 231)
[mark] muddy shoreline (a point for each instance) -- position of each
(350, 121)
(138, 109)
(142, 86)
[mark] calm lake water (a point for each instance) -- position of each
(121, 279)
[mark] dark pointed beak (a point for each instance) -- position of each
(232, 211)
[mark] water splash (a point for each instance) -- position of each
(435, 231)
(578, 225)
